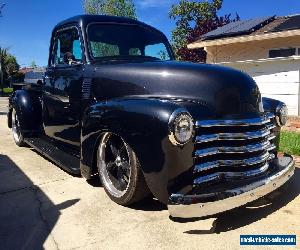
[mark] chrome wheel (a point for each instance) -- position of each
(16, 127)
(114, 164)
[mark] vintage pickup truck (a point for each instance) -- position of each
(114, 103)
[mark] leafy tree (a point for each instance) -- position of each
(194, 19)
(124, 8)
(33, 65)
(3, 54)
(9, 66)
(187, 14)
(201, 28)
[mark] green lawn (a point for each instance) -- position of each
(7, 91)
(290, 143)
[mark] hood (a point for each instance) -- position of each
(218, 90)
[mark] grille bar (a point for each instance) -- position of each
(230, 175)
(265, 145)
(240, 122)
(233, 136)
(234, 163)
(232, 149)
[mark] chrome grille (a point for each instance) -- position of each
(233, 149)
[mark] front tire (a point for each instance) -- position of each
(119, 171)
(16, 129)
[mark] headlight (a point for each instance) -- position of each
(281, 114)
(181, 127)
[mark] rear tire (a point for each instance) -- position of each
(120, 171)
(16, 129)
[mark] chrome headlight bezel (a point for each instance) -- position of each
(177, 117)
(281, 114)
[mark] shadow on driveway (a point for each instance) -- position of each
(27, 215)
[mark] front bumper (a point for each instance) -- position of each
(191, 206)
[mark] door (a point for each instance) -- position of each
(62, 88)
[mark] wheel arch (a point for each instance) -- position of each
(28, 108)
(143, 124)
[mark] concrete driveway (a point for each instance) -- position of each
(41, 206)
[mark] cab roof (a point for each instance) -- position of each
(84, 20)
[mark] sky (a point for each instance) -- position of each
(26, 25)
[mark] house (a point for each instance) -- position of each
(266, 48)
(32, 75)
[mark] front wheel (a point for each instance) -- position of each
(16, 130)
(120, 171)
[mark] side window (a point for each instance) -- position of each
(157, 50)
(56, 52)
(284, 52)
(77, 50)
(67, 47)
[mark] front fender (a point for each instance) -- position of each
(143, 123)
(271, 105)
(28, 109)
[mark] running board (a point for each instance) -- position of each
(68, 162)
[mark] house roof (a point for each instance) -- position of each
(250, 30)
(25, 70)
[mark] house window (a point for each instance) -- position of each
(286, 52)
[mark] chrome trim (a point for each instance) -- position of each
(15, 126)
(280, 120)
(191, 206)
(230, 175)
(266, 118)
(266, 145)
(232, 163)
(271, 126)
(233, 136)
(172, 119)
(271, 137)
(272, 147)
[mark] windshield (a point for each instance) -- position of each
(127, 41)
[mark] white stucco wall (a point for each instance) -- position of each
(277, 78)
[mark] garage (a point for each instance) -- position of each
(276, 78)
(267, 48)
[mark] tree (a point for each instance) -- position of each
(33, 65)
(194, 19)
(187, 14)
(9, 66)
(124, 8)
(201, 28)
(3, 54)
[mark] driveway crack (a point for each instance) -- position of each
(35, 189)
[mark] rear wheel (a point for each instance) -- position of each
(16, 129)
(120, 171)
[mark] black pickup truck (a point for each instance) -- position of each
(114, 103)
